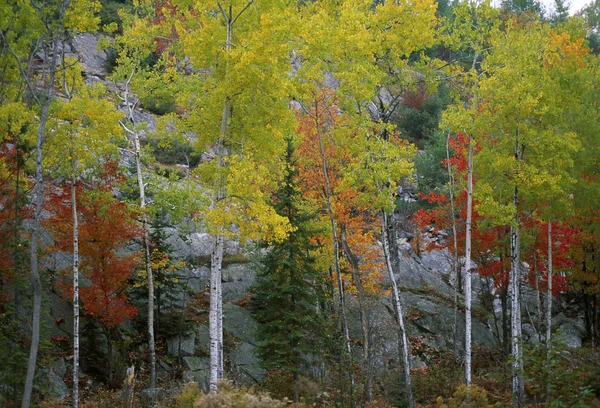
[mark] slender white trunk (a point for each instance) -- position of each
(215, 315)
(398, 307)
(75, 295)
(39, 204)
(455, 253)
(549, 313)
(468, 267)
(149, 274)
(354, 263)
(336, 251)
(517, 355)
(145, 228)
(538, 299)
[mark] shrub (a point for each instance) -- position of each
(188, 396)
(472, 397)
(229, 397)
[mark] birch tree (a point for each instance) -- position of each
(237, 101)
(40, 27)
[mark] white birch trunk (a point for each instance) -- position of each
(468, 266)
(75, 295)
(39, 201)
(455, 253)
(215, 315)
(149, 274)
(399, 312)
(518, 386)
(549, 313)
(336, 252)
(145, 227)
(356, 277)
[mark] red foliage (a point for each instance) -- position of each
(489, 248)
(106, 225)
(564, 237)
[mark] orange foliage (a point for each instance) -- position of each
(324, 120)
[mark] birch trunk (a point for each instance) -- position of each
(39, 201)
(336, 253)
(549, 314)
(468, 266)
(149, 274)
(75, 295)
(356, 277)
(215, 315)
(145, 227)
(517, 355)
(398, 306)
(455, 254)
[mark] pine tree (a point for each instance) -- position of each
(287, 285)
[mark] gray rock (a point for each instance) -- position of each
(201, 243)
(50, 384)
(188, 345)
(94, 61)
(60, 367)
(199, 370)
(58, 388)
(414, 275)
(571, 329)
(245, 366)
(203, 339)
(237, 280)
(238, 322)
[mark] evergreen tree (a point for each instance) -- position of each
(286, 292)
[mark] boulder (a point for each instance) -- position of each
(237, 281)
(572, 330)
(94, 61)
(239, 323)
(199, 370)
(188, 345)
(245, 366)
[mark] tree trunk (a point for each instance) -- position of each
(215, 326)
(517, 365)
(549, 314)
(468, 267)
(387, 230)
(75, 295)
(336, 252)
(39, 204)
(455, 253)
(356, 277)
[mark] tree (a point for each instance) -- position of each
(106, 225)
(523, 130)
(24, 28)
(85, 126)
(289, 323)
(240, 113)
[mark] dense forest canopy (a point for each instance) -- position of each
(341, 203)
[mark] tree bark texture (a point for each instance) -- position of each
(387, 233)
(468, 266)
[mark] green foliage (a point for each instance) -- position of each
(289, 324)
(419, 116)
(429, 165)
(109, 13)
(572, 374)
